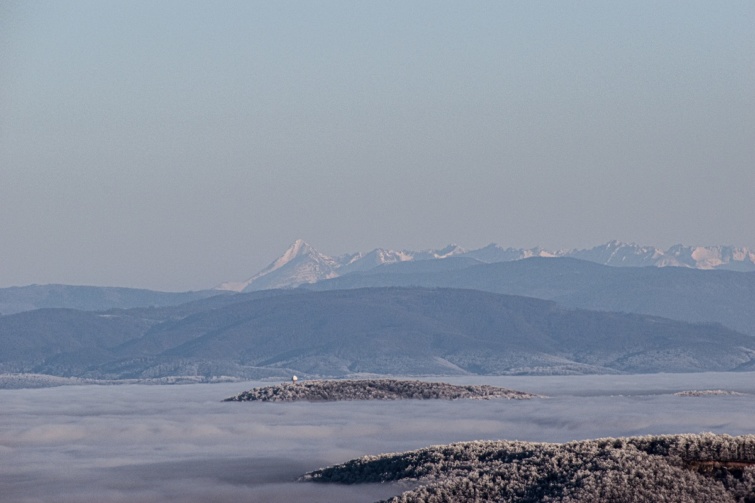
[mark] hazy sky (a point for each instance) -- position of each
(177, 144)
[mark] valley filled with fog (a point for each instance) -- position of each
(150, 443)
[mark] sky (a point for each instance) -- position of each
(175, 145)
(166, 444)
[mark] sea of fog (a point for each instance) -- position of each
(147, 443)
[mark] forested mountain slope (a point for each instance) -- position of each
(410, 331)
(725, 297)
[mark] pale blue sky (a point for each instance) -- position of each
(177, 144)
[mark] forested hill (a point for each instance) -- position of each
(374, 389)
(673, 468)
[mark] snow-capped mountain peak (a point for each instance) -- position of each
(301, 263)
(714, 257)
(617, 253)
(449, 251)
(299, 247)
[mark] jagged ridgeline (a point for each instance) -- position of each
(671, 468)
(372, 389)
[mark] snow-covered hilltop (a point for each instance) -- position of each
(301, 263)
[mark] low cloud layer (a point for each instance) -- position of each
(147, 444)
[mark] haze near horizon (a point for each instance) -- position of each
(177, 145)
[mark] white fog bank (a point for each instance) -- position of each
(144, 444)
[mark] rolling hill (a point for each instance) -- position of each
(409, 331)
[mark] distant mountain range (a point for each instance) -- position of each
(439, 312)
(726, 297)
(302, 264)
(400, 331)
(89, 298)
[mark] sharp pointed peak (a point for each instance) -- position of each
(299, 248)
(299, 244)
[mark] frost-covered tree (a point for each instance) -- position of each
(672, 468)
(373, 389)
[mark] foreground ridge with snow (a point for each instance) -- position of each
(673, 468)
(302, 264)
(374, 389)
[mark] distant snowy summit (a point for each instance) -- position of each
(301, 263)
(298, 265)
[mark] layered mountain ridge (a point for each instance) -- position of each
(302, 264)
(435, 312)
(375, 331)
